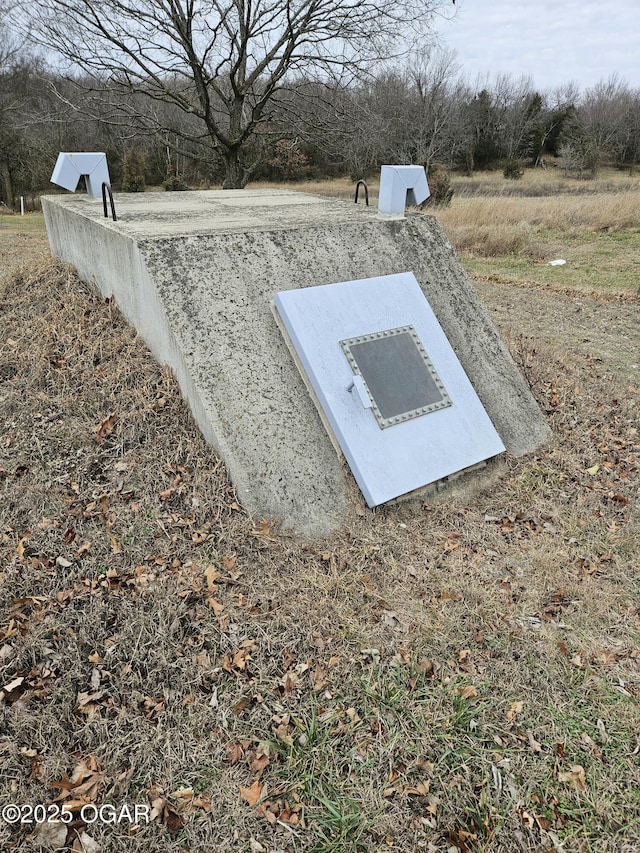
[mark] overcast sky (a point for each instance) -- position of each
(580, 41)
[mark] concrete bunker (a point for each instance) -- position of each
(196, 273)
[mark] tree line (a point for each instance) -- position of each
(202, 107)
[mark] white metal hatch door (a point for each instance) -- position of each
(389, 383)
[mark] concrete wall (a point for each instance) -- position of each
(198, 288)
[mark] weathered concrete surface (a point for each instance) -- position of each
(196, 274)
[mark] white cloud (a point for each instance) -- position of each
(553, 42)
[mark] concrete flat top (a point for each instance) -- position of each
(154, 215)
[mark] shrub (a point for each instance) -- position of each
(513, 170)
(133, 173)
(288, 161)
(439, 187)
(172, 183)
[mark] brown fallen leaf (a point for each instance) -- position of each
(88, 703)
(215, 605)
(419, 790)
(233, 753)
(82, 550)
(188, 801)
(85, 782)
(240, 659)
(105, 428)
(269, 811)
(527, 819)
(318, 678)
(619, 499)
(448, 595)
(65, 784)
(290, 814)
(163, 812)
(533, 743)
(426, 668)
(265, 530)
(13, 686)
(256, 792)
(576, 776)
(258, 759)
(84, 843)
(241, 705)
(183, 794)
(172, 820)
(201, 802)
(212, 574)
(282, 733)
(468, 692)
(288, 683)
(514, 709)
(543, 822)
(463, 840)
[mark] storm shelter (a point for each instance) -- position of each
(197, 273)
(392, 389)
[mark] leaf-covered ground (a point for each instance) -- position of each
(455, 676)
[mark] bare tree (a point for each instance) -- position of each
(394, 117)
(593, 134)
(431, 120)
(13, 95)
(516, 107)
(221, 62)
(627, 143)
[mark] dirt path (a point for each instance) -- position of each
(593, 327)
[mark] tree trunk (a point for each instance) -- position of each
(235, 174)
(6, 183)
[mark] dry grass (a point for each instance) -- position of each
(543, 182)
(460, 675)
(334, 188)
(509, 231)
(568, 214)
(21, 237)
(497, 225)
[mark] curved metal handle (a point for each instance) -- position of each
(106, 188)
(357, 382)
(366, 192)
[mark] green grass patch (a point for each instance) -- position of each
(14, 223)
(595, 262)
(460, 760)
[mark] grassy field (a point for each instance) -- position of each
(510, 235)
(456, 676)
(30, 223)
